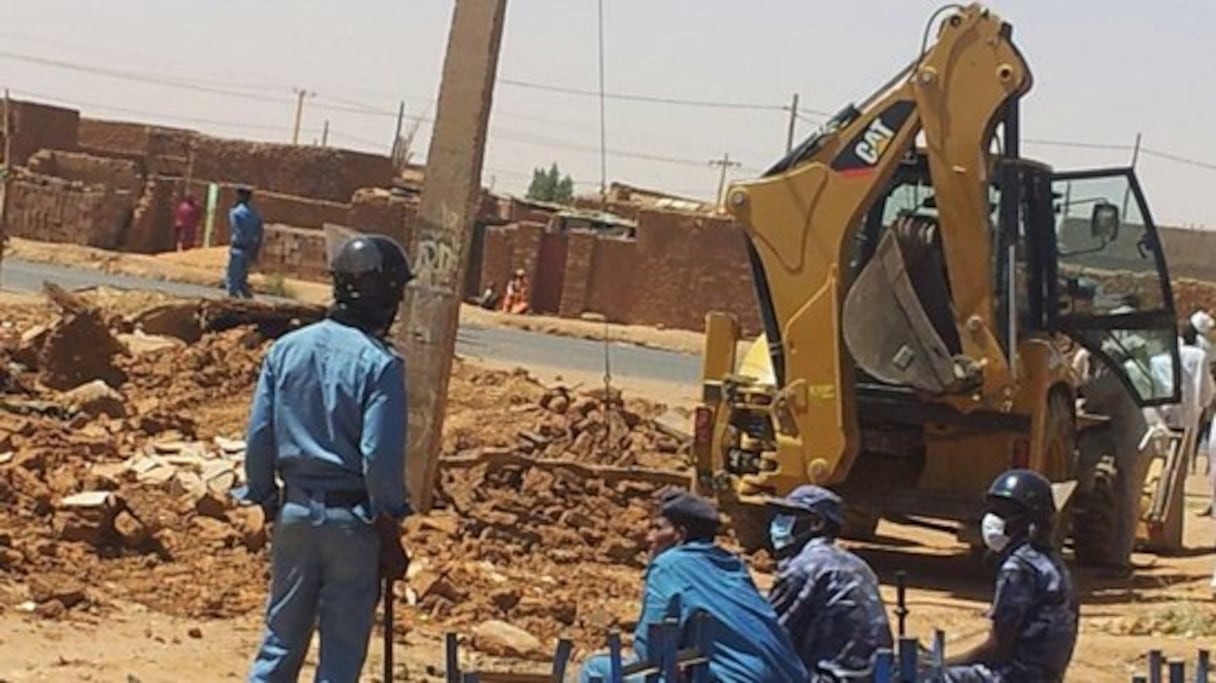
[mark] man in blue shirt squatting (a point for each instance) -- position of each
(1034, 611)
(329, 418)
(825, 596)
(689, 574)
(245, 234)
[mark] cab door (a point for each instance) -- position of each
(1112, 281)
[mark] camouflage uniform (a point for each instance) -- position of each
(1036, 603)
(828, 599)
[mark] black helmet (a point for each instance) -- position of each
(369, 274)
(1029, 490)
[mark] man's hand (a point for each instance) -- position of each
(394, 562)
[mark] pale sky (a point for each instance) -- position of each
(1103, 72)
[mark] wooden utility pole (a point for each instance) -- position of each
(325, 134)
(431, 310)
(789, 135)
(301, 93)
(724, 163)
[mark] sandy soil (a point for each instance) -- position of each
(541, 523)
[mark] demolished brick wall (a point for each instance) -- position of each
(56, 210)
(90, 169)
(294, 252)
(151, 228)
(40, 126)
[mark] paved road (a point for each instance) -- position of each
(504, 345)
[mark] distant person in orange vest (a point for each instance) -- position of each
(185, 222)
(516, 298)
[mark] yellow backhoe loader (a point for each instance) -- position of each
(929, 299)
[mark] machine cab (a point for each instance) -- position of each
(1101, 263)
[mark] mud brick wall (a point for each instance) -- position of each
(693, 263)
(315, 172)
(40, 126)
(121, 174)
(151, 229)
(294, 252)
(680, 267)
(376, 210)
(580, 255)
(300, 212)
(521, 212)
(122, 137)
(56, 210)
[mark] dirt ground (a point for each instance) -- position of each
(541, 518)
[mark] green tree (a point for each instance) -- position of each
(551, 186)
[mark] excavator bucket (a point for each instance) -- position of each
(887, 328)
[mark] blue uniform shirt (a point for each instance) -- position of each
(245, 228)
(1036, 605)
(828, 600)
(749, 644)
(329, 414)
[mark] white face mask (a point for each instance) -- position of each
(993, 530)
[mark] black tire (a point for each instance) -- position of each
(1096, 518)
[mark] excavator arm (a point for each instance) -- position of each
(801, 219)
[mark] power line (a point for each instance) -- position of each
(141, 78)
(157, 115)
(644, 98)
(1179, 159)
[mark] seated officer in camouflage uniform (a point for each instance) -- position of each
(1034, 612)
(825, 596)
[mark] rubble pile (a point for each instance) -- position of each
(117, 488)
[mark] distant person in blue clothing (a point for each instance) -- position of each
(245, 232)
(689, 574)
(328, 421)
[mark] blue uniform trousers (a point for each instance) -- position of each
(325, 568)
(237, 280)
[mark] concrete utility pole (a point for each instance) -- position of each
(724, 163)
(789, 135)
(431, 310)
(301, 93)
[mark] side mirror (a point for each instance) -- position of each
(1104, 222)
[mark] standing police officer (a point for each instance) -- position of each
(825, 596)
(245, 236)
(329, 419)
(1034, 612)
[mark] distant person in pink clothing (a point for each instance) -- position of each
(185, 222)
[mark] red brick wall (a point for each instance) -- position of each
(40, 126)
(680, 267)
(580, 254)
(56, 210)
(496, 258)
(520, 212)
